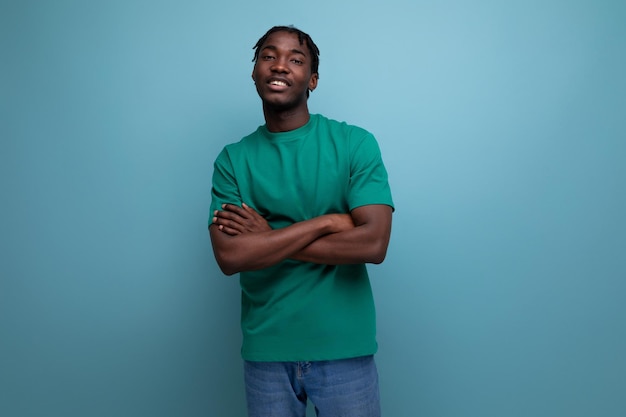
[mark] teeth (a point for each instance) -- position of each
(282, 83)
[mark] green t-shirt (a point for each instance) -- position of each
(300, 311)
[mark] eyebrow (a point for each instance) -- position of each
(293, 51)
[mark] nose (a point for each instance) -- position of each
(279, 65)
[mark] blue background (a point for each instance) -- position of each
(503, 127)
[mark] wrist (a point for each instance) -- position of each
(329, 224)
(340, 222)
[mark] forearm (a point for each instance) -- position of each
(252, 251)
(355, 246)
(365, 243)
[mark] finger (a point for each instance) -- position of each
(235, 209)
(251, 211)
(228, 230)
(229, 216)
(229, 224)
(247, 208)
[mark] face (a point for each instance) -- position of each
(282, 73)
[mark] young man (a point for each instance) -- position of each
(298, 208)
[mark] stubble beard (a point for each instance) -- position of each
(279, 106)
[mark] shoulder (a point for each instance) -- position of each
(327, 122)
(243, 145)
(346, 131)
(247, 140)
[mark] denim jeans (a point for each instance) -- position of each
(338, 388)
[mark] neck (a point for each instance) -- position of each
(278, 120)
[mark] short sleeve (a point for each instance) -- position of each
(225, 188)
(369, 182)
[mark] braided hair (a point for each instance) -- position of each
(302, 37)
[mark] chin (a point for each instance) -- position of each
(282, 104)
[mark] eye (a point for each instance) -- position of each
(297, 61)
(267, 57)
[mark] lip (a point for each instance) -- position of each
(274, 87)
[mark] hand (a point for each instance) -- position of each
(234, 220)
(341, 222)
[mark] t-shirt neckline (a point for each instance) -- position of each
(298, 133)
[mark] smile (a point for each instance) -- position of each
(279, 83)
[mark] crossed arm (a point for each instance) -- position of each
(243, 240)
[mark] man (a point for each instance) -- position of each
(298, 208)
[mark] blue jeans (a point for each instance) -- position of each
(338, 388)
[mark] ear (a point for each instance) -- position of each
(253, 77)
(313, 81)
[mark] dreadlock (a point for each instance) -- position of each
(302, 37)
